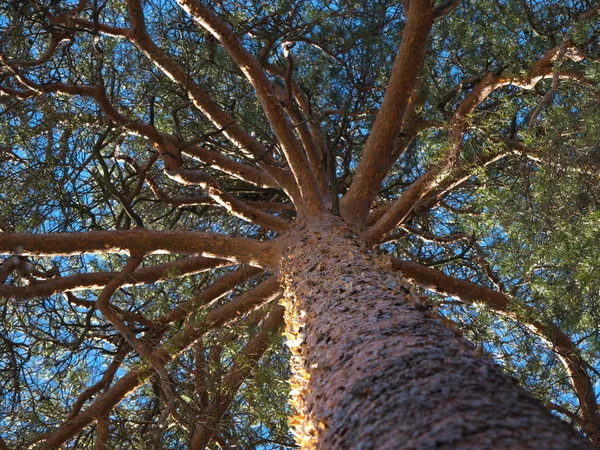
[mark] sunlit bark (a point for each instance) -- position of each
(305, 180)
(362, 341)
(377, 154)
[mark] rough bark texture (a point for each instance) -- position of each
(551, 335)
(374, 368)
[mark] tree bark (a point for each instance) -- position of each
(374, 368)
(551, 335)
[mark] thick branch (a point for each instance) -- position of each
(236, 249)
(266, 291)
(201, 100)
(247, 210)
(311, 135)
(443, 169)
(415, 200)
(167, 145)
(255, 176)
(377, 153)
(103, 433)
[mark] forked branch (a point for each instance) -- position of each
(244, 363)
(442, 169)
(219, 317)
(294, 153)
(158, 273)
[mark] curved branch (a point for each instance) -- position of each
(442, 170)
(70, 21)
(57, 37)
(130, 381)
(232, 204)
(143, 348)
(138, 36)
(110, 312)
(104, 382)
(158, 273)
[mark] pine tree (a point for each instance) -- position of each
(207, 208)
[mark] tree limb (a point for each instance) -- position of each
(376, 157)
(232, 204)
(201, 100)
(244, 364)
(158, 273)
(443, 169)
(130, 381)
(232, 248)
(294, 153)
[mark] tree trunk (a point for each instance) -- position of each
(374, 368)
